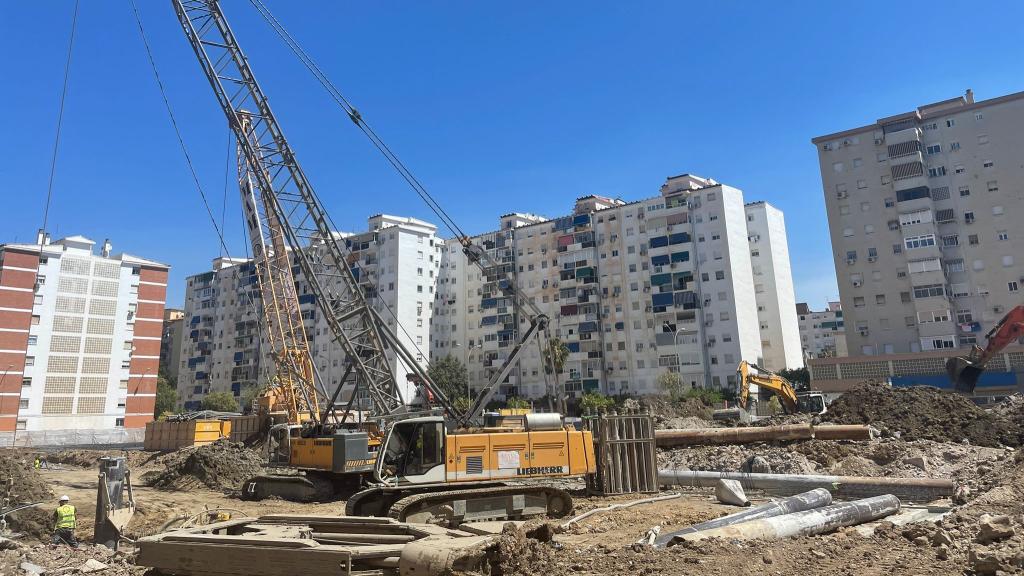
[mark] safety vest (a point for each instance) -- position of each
(65, 517)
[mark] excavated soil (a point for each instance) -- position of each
(65, 560)
(29, 487)
(923, 413)
(223, 465)
(689, 413)
(91, 458)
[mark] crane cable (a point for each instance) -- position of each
(358, 119)
(199, 186)
(60, 116)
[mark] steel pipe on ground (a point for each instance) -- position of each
(805, 501)
(806, 523)
(843, 487)
(750, 434)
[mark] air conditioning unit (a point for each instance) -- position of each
(851, 261)
(879, 141)
(856, 283)
(997, 309)
(827, 146)
(842, 195)
(847, 142)
(872, 258)
(863, 332)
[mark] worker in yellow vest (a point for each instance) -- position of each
(64, 523)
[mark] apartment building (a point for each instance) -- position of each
(223, 348)
(80, 337)
(822, 333)
(170, 343)
(922, 209)
(687, 281)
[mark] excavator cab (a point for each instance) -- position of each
(414, 452)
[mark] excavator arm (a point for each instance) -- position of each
(753, 374)
(964, 371)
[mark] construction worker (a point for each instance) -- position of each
(64, 523)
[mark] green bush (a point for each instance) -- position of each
(595, 401)
(220, 402)
(708, 396)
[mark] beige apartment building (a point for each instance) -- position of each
(924, 212)
(822, 332)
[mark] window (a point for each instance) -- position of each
(965, 191)
(968, 217)
(844, 209)
(880, 299)
(982, 138)
(30, 360)
(719, 275)
(993, 185)
(847, 232)
(955, 265)
(972, 239)
(889, 202)
(997, 210)
(897, 248)
(862, 184)
(32, 339)
(1012, 286)
(893, 224)
(916, 217)
(954, 146)
(918, 266)
(988, 164)
(978, 265)
(858, 162)
(950, 122)
(905, 298)
(964, 317)
(937, 171)
(858, 302)
(23, 404)
(914, 242)
(869, 228)
(931, 316)
(26, 382)
(959, 169)
(837, 167)
(934, 149)
(929, 291)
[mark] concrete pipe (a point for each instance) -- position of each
(806, 501)
(842, 487)
(808, 522)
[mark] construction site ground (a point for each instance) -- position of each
(983, 533)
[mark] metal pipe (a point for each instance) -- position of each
(590, 513)
(805, 501)
(750, 434)
(844, 487)
(808, 522)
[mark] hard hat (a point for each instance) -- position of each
(65, 498)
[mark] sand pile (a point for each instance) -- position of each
(223, 465)
(923, 413)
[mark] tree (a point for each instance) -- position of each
(249, 395)
(517, 403)
(220, 402)
(450, 375)
(555, 355)
(800, 378)
(672, 384)
(774, 406)
(166, 397)
(462, 403)
(595, 402)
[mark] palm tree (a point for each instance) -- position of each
(555, 355)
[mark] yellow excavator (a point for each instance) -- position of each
(768, 383)
(422, 463)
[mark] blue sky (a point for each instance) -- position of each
(497, 107)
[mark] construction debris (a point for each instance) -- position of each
(222, 465)
(25, 485)
(747, 435)
(924, 413)
(731, 492)
(910, 489)
(807, 522)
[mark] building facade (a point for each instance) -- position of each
(223, 348)
(634, 290)
(923, 210)
(80, 336)
(170, 343)
(822, 333)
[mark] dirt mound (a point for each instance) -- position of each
(729, 458)
(223, 465)
(29, 487)
(665, 410)
(923, 413)
(1011, 408)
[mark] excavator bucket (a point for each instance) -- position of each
(963, 373)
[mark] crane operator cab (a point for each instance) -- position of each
(414, 452)
(811, 403)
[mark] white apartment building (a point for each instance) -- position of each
(396, 262)
(822, 333)
(924, 210)
(80, 340)
(633, 290)
(773, 286)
